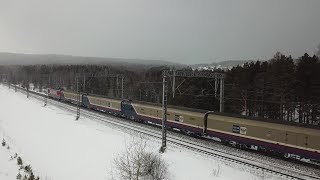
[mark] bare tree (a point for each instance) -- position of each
(216, 170)
(156, 168)
(136, 162)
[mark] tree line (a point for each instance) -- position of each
(282, 88)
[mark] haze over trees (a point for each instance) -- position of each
(282, 88)
(318, 52)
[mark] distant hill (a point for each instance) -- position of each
(137, 64)
(33, 59)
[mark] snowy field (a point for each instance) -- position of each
(60, 148)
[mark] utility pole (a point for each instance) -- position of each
(46, 99)
(215, 87)
(78, 98)
(84, 83)
(173, 83)
(164, 113)
(221, 95)
(117, 87)
(121, 87)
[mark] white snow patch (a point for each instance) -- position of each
(8, 166)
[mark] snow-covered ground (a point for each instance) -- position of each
(60, 148)
(8, 167)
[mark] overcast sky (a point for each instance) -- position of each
(185, 31)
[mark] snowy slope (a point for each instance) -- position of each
(8, 168)
(60, 148)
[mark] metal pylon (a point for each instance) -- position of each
(221, 95)
(164, 113)
(198, 74)
(78, 99)
(121, 87)
(45, 100)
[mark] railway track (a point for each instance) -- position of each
(136, 127)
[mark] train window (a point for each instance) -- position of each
(192, 119)
(142, 109)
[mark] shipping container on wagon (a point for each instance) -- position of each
(281, 138)
(176, 118)
(72, 97)
(104, 104)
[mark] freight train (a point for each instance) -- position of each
(289, 140)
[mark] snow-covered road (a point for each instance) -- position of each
(60, 148)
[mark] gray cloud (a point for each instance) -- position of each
(186, 31)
